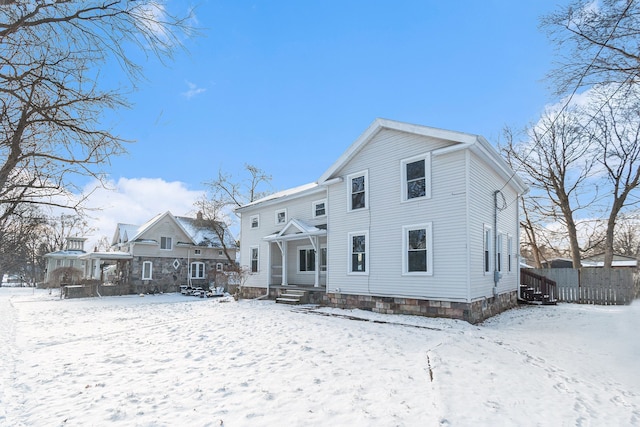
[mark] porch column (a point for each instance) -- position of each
(285, 276)
(316, 246)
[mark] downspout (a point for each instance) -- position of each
(496, 274)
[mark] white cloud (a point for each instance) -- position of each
(135, 201)
(193, 90)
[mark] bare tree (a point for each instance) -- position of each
(597, 43)
(616, 130)
(227, 193)
(53, 94)
(556, 160)
(18, 240)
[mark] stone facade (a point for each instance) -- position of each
(474, 312)
(167, 278)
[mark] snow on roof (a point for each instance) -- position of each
(203, 234)
(295, 191)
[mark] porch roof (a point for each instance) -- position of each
(296, 229)
(107, 255)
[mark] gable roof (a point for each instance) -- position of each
(299, 191)
(461, 140)
(198, 232)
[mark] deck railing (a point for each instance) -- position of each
(534, 287)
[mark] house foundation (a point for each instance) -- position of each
(474, 312)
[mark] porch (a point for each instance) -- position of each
(298, 255)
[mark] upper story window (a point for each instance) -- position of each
(281, 216)
(166, 243)
(319, 208)
(358, 187)
(255, 221)
(416, 173)
(197, 251)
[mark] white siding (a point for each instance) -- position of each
(270, 255)
(483, 183)
(387, 214)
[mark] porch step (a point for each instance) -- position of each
(292, 296)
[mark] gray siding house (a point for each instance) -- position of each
(410, 219)
(169, 251)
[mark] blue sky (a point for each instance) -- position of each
(288, 85)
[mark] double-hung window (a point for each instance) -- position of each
(499, 252)
(487, 249)
(197, 270)
(147, 270)
(358, 186)
(166, 243)
(319, 208)
(418, 246)
(255, 221)
(254, 259)
(358, 246)
(416, 175)
(509, 253)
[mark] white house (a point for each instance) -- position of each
(410, 219)
(69, 257)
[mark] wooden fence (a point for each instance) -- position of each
(605, 286)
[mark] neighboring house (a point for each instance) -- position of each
(169, 251)
(410, 219)
(70, 256)
(619, 261)
(158, 256)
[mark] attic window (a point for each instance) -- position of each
(166, 243)
(198, 251)
(255, 221)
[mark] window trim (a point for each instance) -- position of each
(428, 227)
(298, 250)
(219, 267)
(350, 254)
(257, 218)
(279, 211)
(487, 249)
(499, 251)
(166, 239)
(427, 177)
(350, 177)
(196, 270)
(257, 259)
(150, 276)
(314, 204)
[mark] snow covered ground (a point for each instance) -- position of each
(171, 360)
